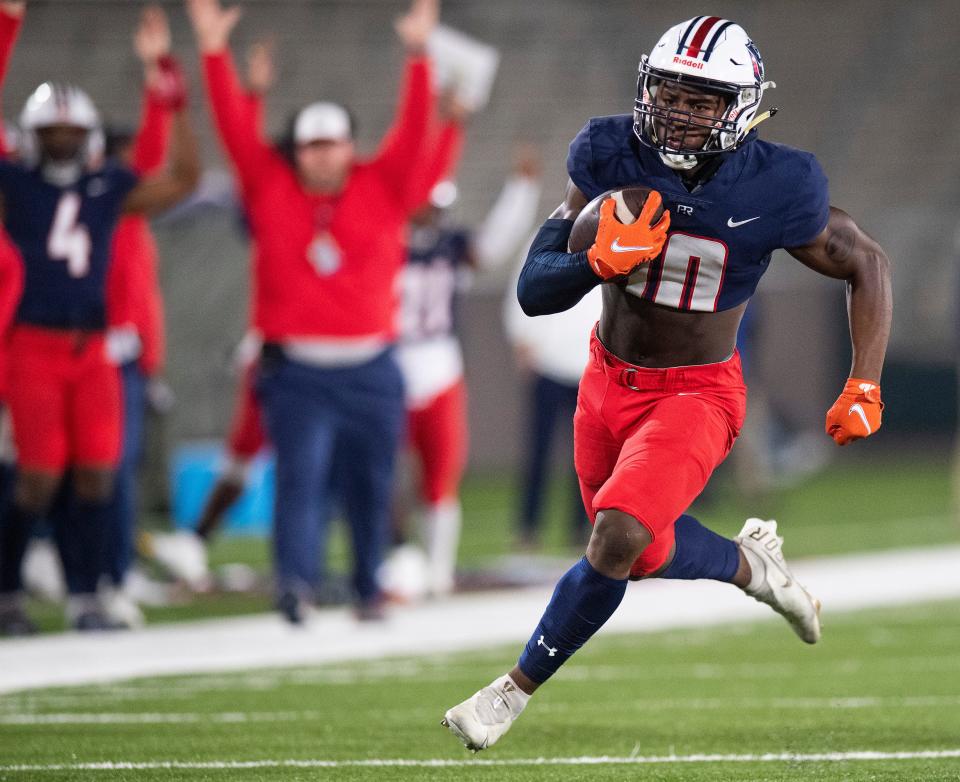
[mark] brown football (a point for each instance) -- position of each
(629, 203)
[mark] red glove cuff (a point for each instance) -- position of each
(170, 87)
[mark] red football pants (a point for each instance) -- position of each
(65, 399)
(247, 435)
(647, 440)
(438, 435)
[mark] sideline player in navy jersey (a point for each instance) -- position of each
(61, 204)
(662, 398)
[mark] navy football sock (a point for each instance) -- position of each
(80, 529)
(583, 600)
(701, 553)
(16, 526)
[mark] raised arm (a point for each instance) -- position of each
(162, 190)
(159, 192)
(404, 148)
(11, 18)
(212, 25)
(845, 252)
(513, 216)
(261, 76)
(443, 154)
(164, 90)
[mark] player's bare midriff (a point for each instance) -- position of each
(650, 335)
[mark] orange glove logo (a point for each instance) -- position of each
(619, 248)
(857, 412)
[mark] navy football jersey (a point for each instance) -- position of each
(64, 236)
(436, 270)
(763, 197)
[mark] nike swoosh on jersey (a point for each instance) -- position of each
(863, 416)
(731, 223)
(619, 248)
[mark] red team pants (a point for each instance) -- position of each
(438, 434)
(247, 435)
(647, 440)
(65, 399)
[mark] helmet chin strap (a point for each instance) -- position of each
(61, 173)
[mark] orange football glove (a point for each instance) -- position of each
(857, 413)
(619, 248)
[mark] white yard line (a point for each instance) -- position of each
(640, 760)
(460, 623)
(695, 704)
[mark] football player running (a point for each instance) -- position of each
(662, 398)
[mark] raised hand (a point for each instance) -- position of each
(415, 26)
(526, 161)
(451, 108)
(14, 8)
(151, 39)
(212, 23)
(261, 67)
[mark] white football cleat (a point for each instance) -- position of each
(42, 571)
(182, 554)
(404, 574)
(485, 716)
(119, 608)
(772, 582)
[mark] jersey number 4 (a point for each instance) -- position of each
(69, 240)
(688, 275)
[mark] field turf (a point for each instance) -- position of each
(884, 681)
(897, 504)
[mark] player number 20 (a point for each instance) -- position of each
(69, 240)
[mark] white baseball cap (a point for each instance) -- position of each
(444, 194)
(323, 121)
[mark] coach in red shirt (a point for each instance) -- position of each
(328, 234)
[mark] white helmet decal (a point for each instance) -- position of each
(709, 53)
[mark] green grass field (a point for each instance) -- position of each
(856, 504)
(896, 504)
(883, 680)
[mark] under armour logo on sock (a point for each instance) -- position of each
(551, 651)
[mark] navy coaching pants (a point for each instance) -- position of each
(552, 405)
(123, 506)
(315, 416)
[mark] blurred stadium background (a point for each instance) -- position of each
(869, 87)
(865, 85)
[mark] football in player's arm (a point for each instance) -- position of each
(662, 398)
(842, 250)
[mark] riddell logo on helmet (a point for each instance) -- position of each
(688, 63)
